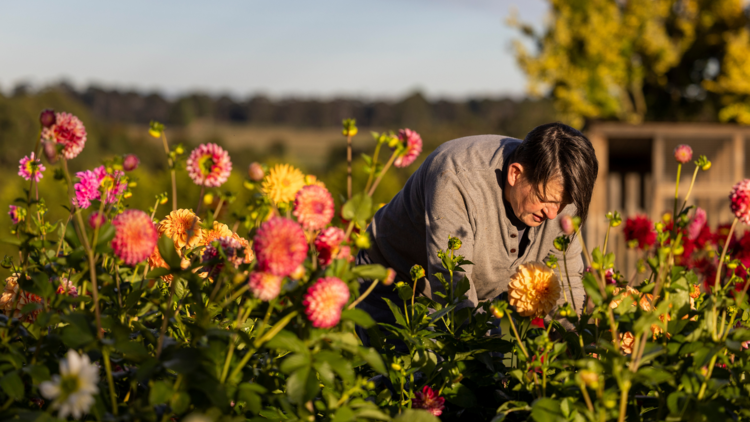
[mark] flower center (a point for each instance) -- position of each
(68, 385)
(286, 183)
(206, 164)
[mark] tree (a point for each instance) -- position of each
(636, 60)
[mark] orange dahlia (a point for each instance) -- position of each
(22, 299)
(280, 246)
(313, 207)
(265, 286)
(183, 227)
(626, 342)
(135, 236)
(534, 289)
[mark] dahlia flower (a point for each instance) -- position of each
(47, 117)
(156, 261)
(313, 207)
(413, 144)
(740, 198)
(695, 226)
(265, 286)
(255, 172)
(390, 276)
(97, 219)
(324, 301)
(231, 248)
(31, 167)
(209, 165)
(429, 400)
(73, 390)
(67, 288)
(533, 289)
(17, 214)
(92, 183)
(280, 246)
(282, 183)
(22, 299)
(626, 342)
(328, 245)
(68, 131)
(641, 230)
(218, 230)
(683, 153)
(135, 236)
(130, 162)
(567, 225)
(183, 227)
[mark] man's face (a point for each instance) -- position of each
(528, 203)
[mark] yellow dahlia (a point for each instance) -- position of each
(282, 183)
(533, 290)
(183, 227)
(219, 230)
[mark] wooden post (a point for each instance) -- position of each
(657, 154)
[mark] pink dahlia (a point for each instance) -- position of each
(313, 207)
(135, 236)
(265, 286)
(683, 153)
(429, 400)
(696, 226)
(233, 251)
(413, 143)
(17, 214)
(97, 219)
(280, 246)
(67, 288)
(324, 301)
(31, 167)
(68, 131)
(567, 225)
(641, 230)
(209, 165)
(740, 198)
(328, 245)
(92, 183)
(130, 162)
(255, 172)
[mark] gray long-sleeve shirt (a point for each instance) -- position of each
(458, 191)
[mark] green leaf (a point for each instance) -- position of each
(286, 340)
(180, 402)
(460, 395)
(359, 317)
(160, 392)
(249, 393)
(370, 272)
(293, 362)
(358, 209)
(302, 385)
(372, 357)
(158, 272)
(343, 414)
(38, 373)
(169, 253)
(546, 410)
(396, 313)
(592, 288)
(416, 415)
(12, 385)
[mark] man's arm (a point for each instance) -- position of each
(447, 213)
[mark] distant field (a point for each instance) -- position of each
(306, 146)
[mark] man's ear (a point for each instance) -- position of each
(515, 173)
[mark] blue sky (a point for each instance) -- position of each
(322, 48)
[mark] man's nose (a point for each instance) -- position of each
(551, 210)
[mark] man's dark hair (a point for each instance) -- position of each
(557, 150)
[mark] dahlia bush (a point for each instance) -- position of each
(112, 314)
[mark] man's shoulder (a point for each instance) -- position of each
(474, 152)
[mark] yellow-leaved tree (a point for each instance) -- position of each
(636, 60)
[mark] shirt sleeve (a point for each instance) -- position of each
(448, 213)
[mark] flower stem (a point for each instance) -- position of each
(200, 201)
(690, 189)
(348, 167)
(518, 338)
(167, 315)
(724, 253)
(110, 381)
(606, 239)
(218, 208)
(382, 172)
(623, 402)
(364, 295)
(174, 176)
(567, 277)
(711, 365)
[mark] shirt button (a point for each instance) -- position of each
(513, 236)
(512, 251)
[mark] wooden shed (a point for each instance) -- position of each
(637, 174)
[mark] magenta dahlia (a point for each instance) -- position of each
(209, 165)
(280, 246)
(265, 286)
(92, 183)
(68, 131)
(31, 168)
(135, 236)
(313, 207)
(66, 287)
(696, 226)
(413, 143)
(97, 219)
(429, 400)
(130, 162)
(324, 301)
(232, 249)
(17, 214)
(328, 245)
(740, 198)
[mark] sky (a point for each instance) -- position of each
(321, 48)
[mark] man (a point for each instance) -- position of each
(500, 196)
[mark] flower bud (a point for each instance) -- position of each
(208, 198)
(396, 367)
(497, 312)
(47, 117)
(454, 243)
(390, 277)
(298, 273)
(417, 272)
(97, 219)
(706, 166)
(130, 162)
(566, 224)
(363, 241)
(589, 378)
(255, 172)
(50, 151)
(683, 153)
